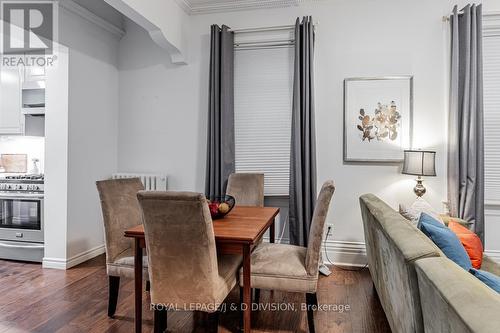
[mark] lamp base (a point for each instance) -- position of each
(419, 189)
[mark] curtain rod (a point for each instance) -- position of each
(268, 41)
(264, 45)
(447, 18)
(263, 29)
(273, 28)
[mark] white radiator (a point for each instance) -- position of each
(151, 182)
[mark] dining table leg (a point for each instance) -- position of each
(138, 285)
(247, 299)
(272, 232)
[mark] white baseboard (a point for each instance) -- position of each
(493, 254)
(344, 253)
(59, 263)
(55, 263)
(347, 253)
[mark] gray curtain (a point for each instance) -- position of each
(303, 145)
(220, 139)
(466, 137)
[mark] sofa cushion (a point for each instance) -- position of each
(454, 301)
(446, 240)
(447, 219)
(491, 280)
(470, 242)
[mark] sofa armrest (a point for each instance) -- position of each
(453, 300)
(490, 265)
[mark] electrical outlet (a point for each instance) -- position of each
(328, 231)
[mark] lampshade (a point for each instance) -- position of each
(419, 163)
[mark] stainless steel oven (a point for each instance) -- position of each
(21, 220)
(21, 217)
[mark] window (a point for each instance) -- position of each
(263, 79)
(491, 77)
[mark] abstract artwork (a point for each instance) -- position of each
(377, 118)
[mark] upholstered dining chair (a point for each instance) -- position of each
(183, 264)
(246, 188)
(294, 268)
(120, 211)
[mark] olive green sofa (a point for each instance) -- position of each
(413, 288)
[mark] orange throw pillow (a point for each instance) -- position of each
(470, 241)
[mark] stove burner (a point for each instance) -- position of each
(25, 177)
(24, 183)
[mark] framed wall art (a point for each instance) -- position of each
(378, 118)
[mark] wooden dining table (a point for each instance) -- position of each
(236, 233)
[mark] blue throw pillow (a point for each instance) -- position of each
(426, 218)
(491, 280)
(446, 240)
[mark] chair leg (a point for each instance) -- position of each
(257, 295)
(213, 322)
(114, 287)
(160, 321)
(312, 302)
(241, 309)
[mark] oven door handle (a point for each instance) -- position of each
(17, 197)
(23, 246)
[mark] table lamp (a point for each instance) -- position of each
(419, 163)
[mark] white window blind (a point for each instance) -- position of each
(263, 79)
(491, 78)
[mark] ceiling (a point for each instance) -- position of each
(211, 6)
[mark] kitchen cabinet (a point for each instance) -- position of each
(11, 117)
(34, 73)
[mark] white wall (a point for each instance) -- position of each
(93, 132)
(91, 150)
(163, 107)
(56, 166)
(159, 121)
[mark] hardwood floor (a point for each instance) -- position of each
(33, 299)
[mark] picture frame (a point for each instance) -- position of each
(378, 118)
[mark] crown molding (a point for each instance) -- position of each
(185, 5)
(75, 8)
(228, 6)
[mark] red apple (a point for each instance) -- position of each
(214, 208)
